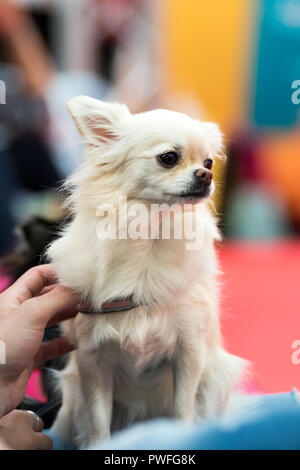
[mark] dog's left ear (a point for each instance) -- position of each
(215, 136)
(98, 122)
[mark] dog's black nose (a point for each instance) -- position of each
(203, 176)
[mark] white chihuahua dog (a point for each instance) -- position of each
(147, 335)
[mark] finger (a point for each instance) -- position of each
(47, 289)
(54, 303)
(62, 316)
(31, 283)
(66, 315)
(51, 350)
(43, 442)
(36, 422)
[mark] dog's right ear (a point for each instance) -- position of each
(98, 122)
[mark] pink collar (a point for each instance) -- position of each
(113, 306)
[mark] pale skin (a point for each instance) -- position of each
(26, 308)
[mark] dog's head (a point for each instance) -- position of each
(157, 156)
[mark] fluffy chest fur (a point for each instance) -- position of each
(153, 270)
(130, 342)
(175, 285)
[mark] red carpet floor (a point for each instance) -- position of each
(261, 309)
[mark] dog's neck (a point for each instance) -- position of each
(152, 269)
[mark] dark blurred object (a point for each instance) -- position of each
(107, 51)
(32, 159)
(241, 166)
(24, 121)
(252, 209)
(34, 236)
(43, 21)
(8, 184)
(26, 160)
(46, 411)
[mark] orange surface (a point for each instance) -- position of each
(207, 53)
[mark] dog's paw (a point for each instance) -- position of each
(184, 414)
(96, 442)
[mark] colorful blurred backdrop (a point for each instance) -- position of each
(236, 62)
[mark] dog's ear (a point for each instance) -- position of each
(97, 121)
(215, 137)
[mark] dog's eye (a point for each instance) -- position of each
(169, 159)
(208, 163)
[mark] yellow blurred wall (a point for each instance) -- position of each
(207, 53)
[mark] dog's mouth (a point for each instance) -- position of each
(193, 195)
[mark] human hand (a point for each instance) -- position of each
(22, 430)
(26, 308)
(12, 16)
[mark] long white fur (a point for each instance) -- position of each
(164, 358)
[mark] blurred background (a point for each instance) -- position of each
(235, 62)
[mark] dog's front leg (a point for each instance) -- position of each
(187, 373)
(97, 388)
